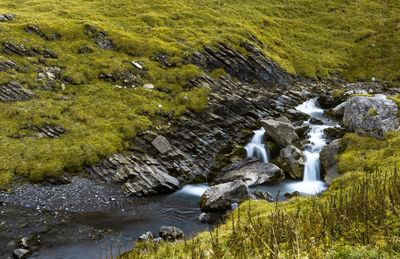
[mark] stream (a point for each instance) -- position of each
(181, 209)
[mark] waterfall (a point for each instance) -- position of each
(316, 142)
(256, 147)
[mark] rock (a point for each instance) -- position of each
(3, 18)
(137, 65)
(327, 155)
(171, 233)
(23, 243)
(251, 171)
(161, 144)
(234, 206)
(256, 67)
(302, 130)
(101, 38)
(149, 87)
(219, 198)
(260, 195)
(9, 16)
(22, 253)
(281, 132)
(338, 111)
(332, 174)
(334, 132)
(291, 195)
(292, 162)
(204, 218)
(145, 180)
(372, 116)
(13, 91)
(6, 17)
(148, 236)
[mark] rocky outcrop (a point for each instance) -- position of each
(14, 49)
(283, 133)
(250, 171)
(292, 162)
(6, 17)
(219, 198)
(13, 92)
(99, 36)
(48, 131)
(171, 233)
(9, 64)
(372, 116)
(328, 162)
(255, 67)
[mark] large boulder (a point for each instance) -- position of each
(328, 162)
(372, 116)
(219, 198)
(282, 133)
(145, 180)
(251, 171)
(291, 160)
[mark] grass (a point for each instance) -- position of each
(317, 39)
(358, 217)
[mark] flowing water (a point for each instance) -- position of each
(256, 147)
(180, 209)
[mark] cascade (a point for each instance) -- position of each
(256, 147)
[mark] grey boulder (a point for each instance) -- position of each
(161, 144)
(282, 133)
(291, 160)
(219, 198)
(251, 171)
(328, 162)
(171, 233)
(372, 116)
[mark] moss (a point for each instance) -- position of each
(217, 73)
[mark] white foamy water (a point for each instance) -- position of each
(193, 189)
(256, 147)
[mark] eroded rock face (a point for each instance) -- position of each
(372, 116)
(219, 198)
(291, 160)
(250, 171)
(284, 134)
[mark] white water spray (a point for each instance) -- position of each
(256, 147)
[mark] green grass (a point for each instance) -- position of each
(358, 217)
(318, 39)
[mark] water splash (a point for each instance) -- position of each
(256, 147)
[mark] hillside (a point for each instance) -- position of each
(87, 79)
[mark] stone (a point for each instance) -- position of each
(149, 87)
(291, 160)
(219, 198)
(145, 180)
(251, 171)
(334, 132)
(338, 111)
(372, 116)
(22, 253)
(148, 236)
(171, 233)
(288, 195)
(204, 218)
(282, 133)
(327, 155)
(3, 18)
(137, 65)
(13, 91)
(332, 174)
(23, 243)
(161, 144)
(260, 195)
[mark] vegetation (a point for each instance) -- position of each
(354, 39)
(358, 217)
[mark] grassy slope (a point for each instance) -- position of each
(357, 39)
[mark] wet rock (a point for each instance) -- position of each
(334, 133)
(204, 218)
(302, 130)
(292, 162)
(221, 196)
(23, 243)
(338, 111)
(171, 233)
(146, 180)
(328, 161)
(251, 171)
(255, 67)
(148, 236)
(372, 116)
(22, 253)
(282, 133)
(13, 91)
(161, 144)
(260, 195)
(291, 195)
(315, 121)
